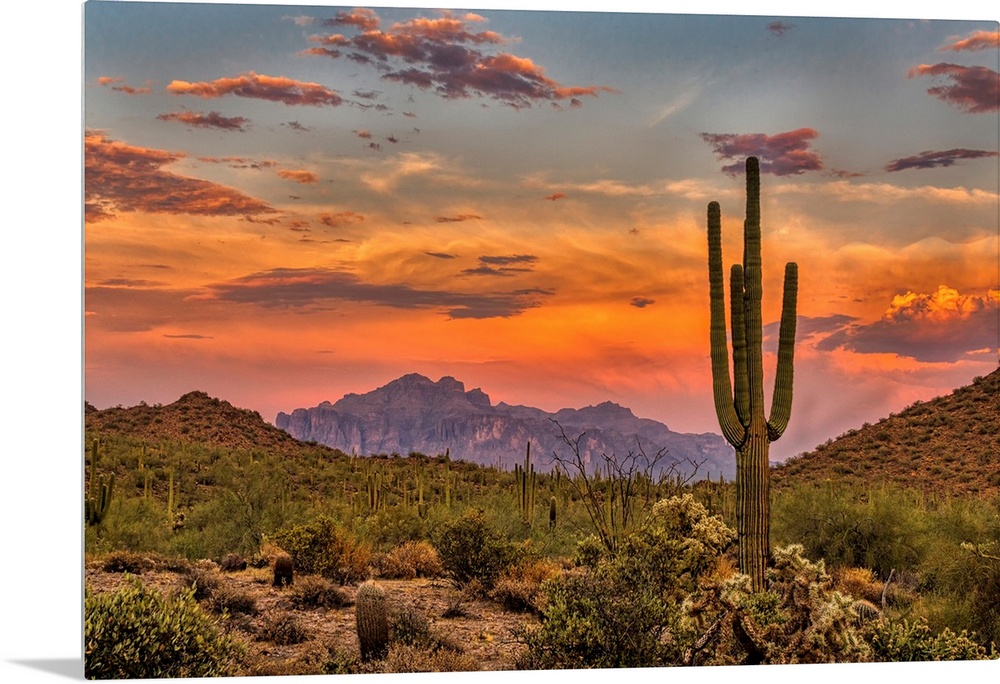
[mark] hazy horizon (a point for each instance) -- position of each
(288, 204)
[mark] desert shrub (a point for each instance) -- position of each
(520, 587)
(403, 658)
(312, 591)
(131, 523)
(878, 529)
(139, 633)
(905, 641)
(283, 630)
(233, 563)
(232, 602)
(202, 582)
(411, 627)
(410, 560)
(323, 547)
(860, 583)
(128, 561)
(629, 609)
(472, 550)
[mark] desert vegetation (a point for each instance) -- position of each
(218, 545)
(471, 580)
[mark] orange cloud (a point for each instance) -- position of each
(123, 177)
(298, 175)
(555, 196)
(118, 85)
(979, 40)
(210, 120)
(261, 87)
(976, 89)
(941, 327)
(364, 19)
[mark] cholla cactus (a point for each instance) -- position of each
(372, 621)
(741, 413)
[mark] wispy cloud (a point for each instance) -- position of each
(210, 120)
(260, 87)
(974, 89)
(298, 175)
(122, 177)
(783, 154)
(341, 218)
(448, 56)
(503, 265)
(457, 219)
(976, 41)
(119, 85)
(641, 302)
(240, 162)
(318, 288)
(779, 28)
(930, 159)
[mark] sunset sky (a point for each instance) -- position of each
(286, 204)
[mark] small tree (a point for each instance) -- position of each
(619, 492)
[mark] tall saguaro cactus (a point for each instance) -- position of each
(740, 405)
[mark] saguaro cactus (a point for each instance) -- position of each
(96, 502)
(741, 413)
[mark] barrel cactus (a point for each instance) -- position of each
(372, 621)
(284, 570)
(741, 412)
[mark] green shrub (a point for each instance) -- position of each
(410, 560)
(138, 633)
(312, 591)
(471, 550)
(905, 641)
(631, 609)
(880, 529)
(232, 602)
(283, 630)
(324, 548)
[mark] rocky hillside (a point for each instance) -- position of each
(414, 413)
(195, 417)
(948, 445)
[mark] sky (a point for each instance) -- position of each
(284, 204)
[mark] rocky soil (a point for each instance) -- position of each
(481, 636)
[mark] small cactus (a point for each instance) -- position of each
(284, 569)
(372, 621)
(865, 612)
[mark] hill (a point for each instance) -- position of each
(948, 445)
(195, 418)
(416, 414)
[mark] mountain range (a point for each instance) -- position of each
(415, 414)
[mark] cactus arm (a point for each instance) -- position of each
(738, 328)
(722, 390)
(781, 402)
(753, 292)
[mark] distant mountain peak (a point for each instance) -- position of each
(415, 413)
